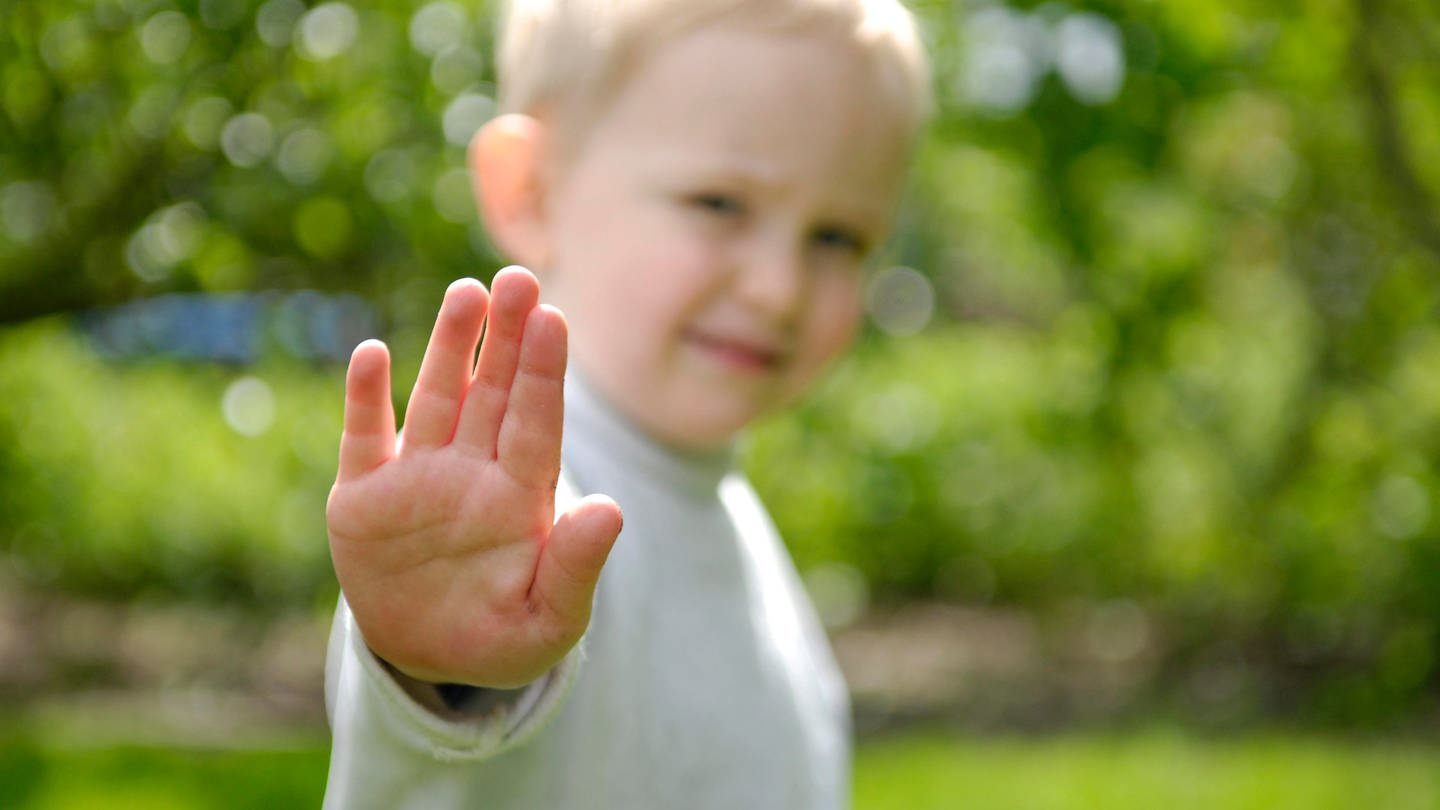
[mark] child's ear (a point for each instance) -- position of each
(507, 172)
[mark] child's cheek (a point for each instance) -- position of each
(834, 321)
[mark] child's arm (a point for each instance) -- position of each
(446, 547)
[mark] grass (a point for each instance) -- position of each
(37, 777)
(1152, 769)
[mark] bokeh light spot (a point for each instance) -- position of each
(437, 26)
(456, 68)
(453, 197)
(465, 115)
(900, 301)
(275, 21)
(1005, 60)
(327, 31)
(247, 139)
(68, 48)
(1089, 57)
(169, 237)
(165, 37)
(205, 119)
(248, 406)
(304, 156)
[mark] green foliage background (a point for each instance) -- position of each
(1183, 366)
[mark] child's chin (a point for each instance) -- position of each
(708, 432)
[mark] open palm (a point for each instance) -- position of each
(447, 547)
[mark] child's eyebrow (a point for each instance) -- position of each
(745, 173)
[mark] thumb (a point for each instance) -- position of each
(571, 560)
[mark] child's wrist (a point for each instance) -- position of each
(450, 700)
(427, 694)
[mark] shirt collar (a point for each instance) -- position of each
(601, 443)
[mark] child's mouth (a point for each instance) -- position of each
(738, 354)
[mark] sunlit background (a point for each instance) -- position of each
(1127, 495)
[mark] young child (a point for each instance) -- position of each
(698, 185)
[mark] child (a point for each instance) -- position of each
(698, 184)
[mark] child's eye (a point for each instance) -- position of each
(717, 203)
(841, 239)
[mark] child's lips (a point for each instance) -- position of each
(740, 353)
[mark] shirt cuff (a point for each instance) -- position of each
(365, 684)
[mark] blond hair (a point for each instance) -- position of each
(565, 60)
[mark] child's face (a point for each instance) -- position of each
(706, 239)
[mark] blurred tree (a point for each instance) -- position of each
(222, 145)
(1160, 336)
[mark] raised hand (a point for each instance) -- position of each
(446, 547)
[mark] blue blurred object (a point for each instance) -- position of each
(232, 328)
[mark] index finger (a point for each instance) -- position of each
(449, 361)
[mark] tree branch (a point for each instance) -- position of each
(1418, 209)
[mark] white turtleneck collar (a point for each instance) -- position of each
(600, 443)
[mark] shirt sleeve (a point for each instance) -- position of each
(390, 752)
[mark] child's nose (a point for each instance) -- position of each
(772, 279)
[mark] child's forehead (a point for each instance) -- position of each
(710, 75)
(730, 47)
(566, 60)
(777, 100)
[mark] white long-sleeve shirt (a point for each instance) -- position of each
(704, 681)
